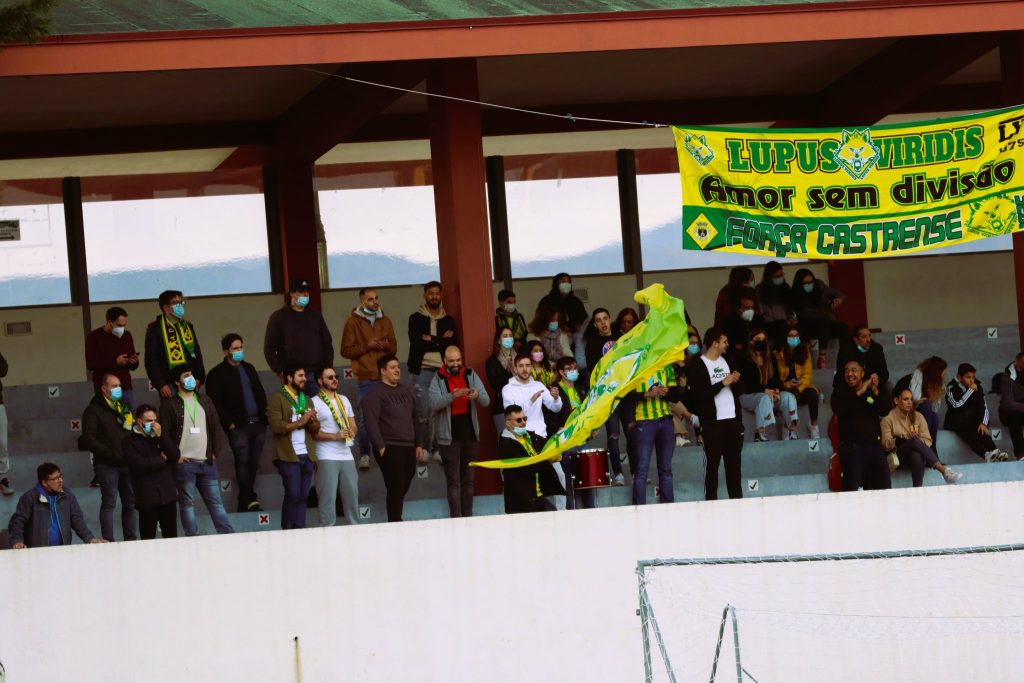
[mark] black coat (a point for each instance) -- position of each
(873, 361)
(702, 392)
(497, 376)
(224, 386)
(102, 434)
(152, 474)
(521, 482)
(419, 325)
(297, 338)
(573, 311)
(157, 367)
(859, 417)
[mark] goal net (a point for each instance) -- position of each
(954, 614)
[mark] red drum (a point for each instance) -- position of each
(589, 469)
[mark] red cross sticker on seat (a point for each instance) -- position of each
(901, 340)
(347, 373)
(76, 425)
(264, 519)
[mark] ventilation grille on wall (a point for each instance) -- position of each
(17, 329)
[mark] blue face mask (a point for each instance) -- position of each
(519, 431)
(572, 375)
(147, 427)
(749, 284)
(808, 287)
(116, 393)
(553, 327)
(302, 301)
(693, 349)
(779, 281)
(178, 310)
(238, 356)
(861, 349)
(369, 312)
(189, 383)
(508, 342)
(793, 342)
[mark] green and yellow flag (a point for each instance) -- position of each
(886, 190)
(654, 343)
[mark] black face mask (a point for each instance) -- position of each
(760, 345)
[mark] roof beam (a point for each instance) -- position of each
(896, 76)
(747, 25)
(337, 108)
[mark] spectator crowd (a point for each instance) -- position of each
(758, 357)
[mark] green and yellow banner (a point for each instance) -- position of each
(857, 192)
(651, 345)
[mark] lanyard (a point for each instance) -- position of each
(195, 410)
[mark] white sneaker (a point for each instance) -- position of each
(815, 433)
(436, 457)
(364, 462)
(682, 441)
(952, 476)
(996, 456)
(792, 435)
(618, 480)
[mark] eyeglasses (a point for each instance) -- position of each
(55, 477)
(517, 420)
(330, 377)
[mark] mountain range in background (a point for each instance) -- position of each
(662, 250)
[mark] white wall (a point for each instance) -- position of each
(544, 597)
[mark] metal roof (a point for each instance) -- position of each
(83, 17)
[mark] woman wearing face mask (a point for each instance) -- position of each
(681, 415)
(763, 393)
(507, 315)
(796, 374)
(814, 303)
(542, 370)
(152, 475)
(775, 303)
(500, 367)
(547, 328)
(572, 310)
(741, 281)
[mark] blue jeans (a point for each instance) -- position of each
(202, 477)
(114, 481)
(613, 428)
(648, 436)
(364, 387)
(296, 477)
(247, 446)
(421, 389)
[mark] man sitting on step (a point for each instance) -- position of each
(967, 414)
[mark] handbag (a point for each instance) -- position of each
(893, 461)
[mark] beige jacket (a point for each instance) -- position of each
(896, 425)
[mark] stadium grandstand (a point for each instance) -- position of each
(363, 194)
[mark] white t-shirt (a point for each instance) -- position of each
(298, 436)
(725, 404)
(333, 450)
(517, 393)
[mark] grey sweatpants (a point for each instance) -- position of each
(334, 478)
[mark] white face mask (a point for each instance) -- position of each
(117, 331)
(748, 314)
(564, 287)
(510, 308)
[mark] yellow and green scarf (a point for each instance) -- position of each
(178, 340)
(124, 415)
(298, 401)
(338, 413)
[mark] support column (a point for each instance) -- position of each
(78, 270)
(629, 212)
(1011, 61)
(457, 159)
(298, 220)
(848, 277)
(497, 208)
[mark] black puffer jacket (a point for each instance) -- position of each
(102, 433)
(152, 474)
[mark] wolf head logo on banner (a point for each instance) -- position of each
(857, 153)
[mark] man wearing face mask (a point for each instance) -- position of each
(110, 350)
(190, 438)
(298, 336)
(237, 393)
(869, 353)
(156, 490)
(368, 335)
(507, 315)
(431, 331)
(737, 326)
(106, 422)
(455, 391)
(574, 313)
(526, 488)
(171, 341)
